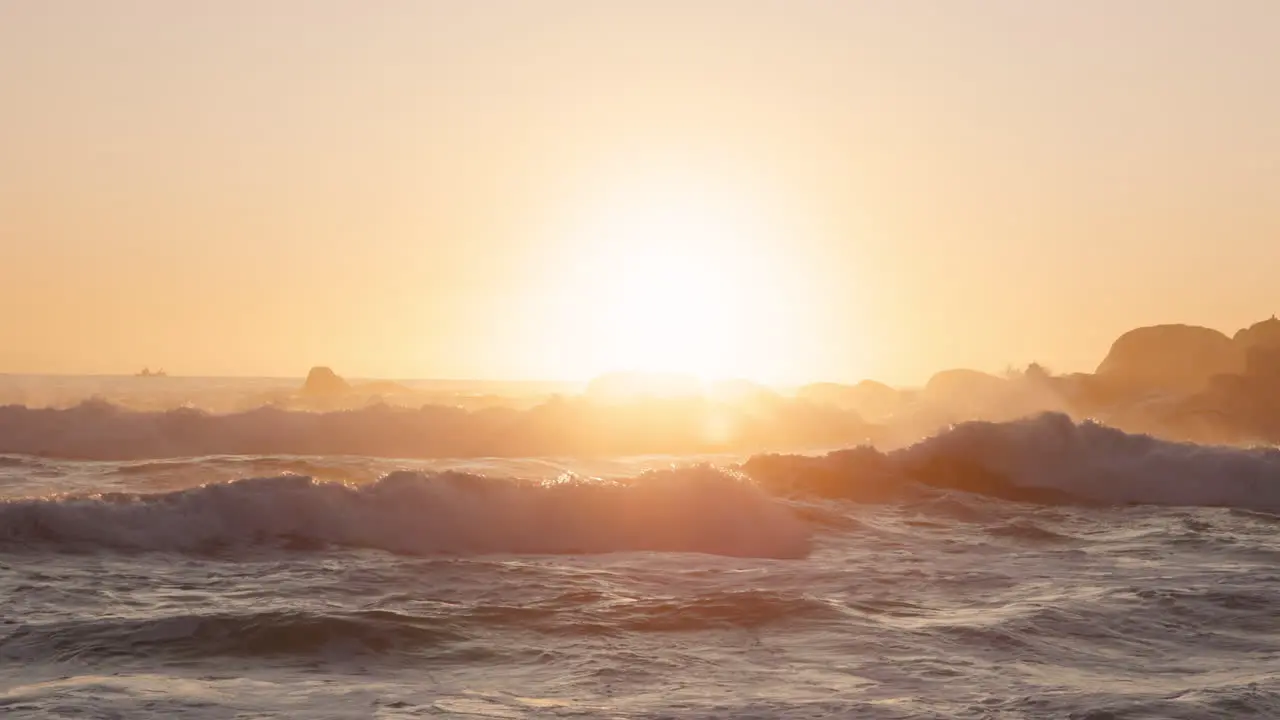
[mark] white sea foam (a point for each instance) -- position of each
(697, 509)
(1098, 463)
(1046, 458)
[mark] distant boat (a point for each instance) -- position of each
(146, 372)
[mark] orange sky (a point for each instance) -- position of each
(788, 190)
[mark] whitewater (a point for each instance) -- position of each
(1039, 568)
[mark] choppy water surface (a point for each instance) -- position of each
(696, 592)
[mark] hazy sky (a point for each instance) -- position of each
(502, 188)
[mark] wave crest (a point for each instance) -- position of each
(698, 509)
(1047, 458)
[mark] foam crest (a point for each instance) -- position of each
(698, 509)
(1099, 464)
(1046, 458)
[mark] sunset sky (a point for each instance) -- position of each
(783, 190)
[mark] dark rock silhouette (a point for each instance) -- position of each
(383, 387)
(1241, 406)
(1265, 333)
(324, 382)
(1213, 389)
(966, 392)
(1169, 359)
(1262, 364)
(1173, 381)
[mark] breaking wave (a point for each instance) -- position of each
(1047, 458)
(768, 507)
(690, 510)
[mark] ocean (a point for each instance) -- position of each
(1040, 568)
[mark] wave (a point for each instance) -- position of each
(1047, 458)
(18, 461)
(310, 633)
(698, 509)
(230, 634)
(750, 511)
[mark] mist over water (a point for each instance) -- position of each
(614, 416)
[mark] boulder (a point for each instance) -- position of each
(961, 385)
(1261, 334)
(1170, 359)
(323, 382)
(1262, 362)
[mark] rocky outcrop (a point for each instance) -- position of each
(324, 382)
(1217, 389)
(961, 386)
(1262, 334)
(1262, 363)
(1170, 359)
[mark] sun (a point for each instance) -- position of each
(669, 304)
(674, 279)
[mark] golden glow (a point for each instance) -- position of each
(672, 277)
(422, 190)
